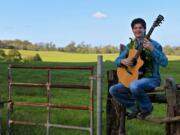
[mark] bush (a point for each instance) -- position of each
(28, 59)
(2, 55)
(32, 58)
(13, 55)
(37, 57)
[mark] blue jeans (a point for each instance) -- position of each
(135, 95)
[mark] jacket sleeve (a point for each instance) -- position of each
(121, 56)
(158, 55)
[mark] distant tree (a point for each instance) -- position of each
(168, 50)
(61, 49)
(50, 46)
(84, 48)
(71, 47)
(177, 50)
(97, 49)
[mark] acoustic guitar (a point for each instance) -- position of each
(127, 74)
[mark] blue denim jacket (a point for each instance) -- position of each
(159, 58)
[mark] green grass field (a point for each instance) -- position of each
(55, 56)
(75, 97)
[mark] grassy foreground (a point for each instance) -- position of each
(70, 97)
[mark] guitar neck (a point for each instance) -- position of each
(150, 32)
(141, 44)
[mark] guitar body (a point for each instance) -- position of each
(124, 76)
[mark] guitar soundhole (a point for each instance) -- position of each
(134, 61)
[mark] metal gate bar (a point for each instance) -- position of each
(48, 105)
(50, 85)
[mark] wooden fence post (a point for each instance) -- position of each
(115, 112)
(173, 106)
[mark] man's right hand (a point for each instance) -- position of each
(126, 62)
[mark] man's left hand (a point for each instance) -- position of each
(147, 44)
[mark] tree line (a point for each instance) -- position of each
(171, 50)
(26, 45)
(72, 47)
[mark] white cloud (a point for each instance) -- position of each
(99, 15)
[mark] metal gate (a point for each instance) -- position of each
(48, 104)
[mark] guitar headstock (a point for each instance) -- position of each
(158, 21)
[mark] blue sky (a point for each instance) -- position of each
(98, 22)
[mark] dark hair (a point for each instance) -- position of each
(140, 21)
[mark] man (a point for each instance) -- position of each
(134, 98)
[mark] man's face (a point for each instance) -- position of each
(138, 30)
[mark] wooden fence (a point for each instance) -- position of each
(168, 94)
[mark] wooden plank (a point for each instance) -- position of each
(120, 117)
(178, 111)
(159, 120)
(158, 98)
(170, 88)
